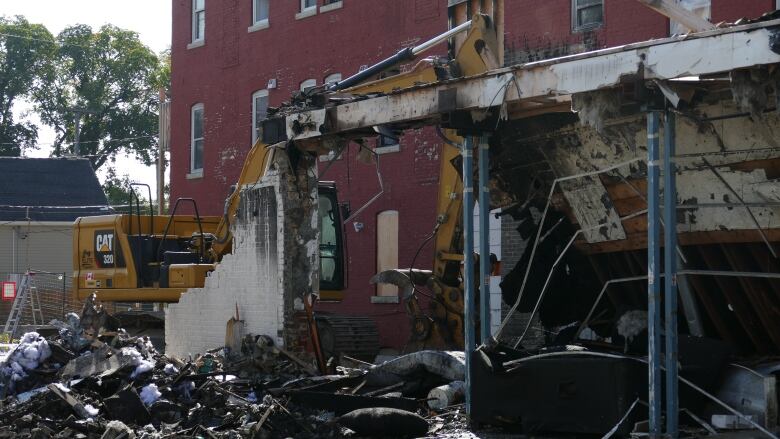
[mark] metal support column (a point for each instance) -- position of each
(484, 242)
(670, 278)
(653, 278)
(468, 261)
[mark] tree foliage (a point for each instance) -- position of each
(113, 77)
(121, 194)
(26, 53)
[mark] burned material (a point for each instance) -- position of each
(96, 381)
(589, 176)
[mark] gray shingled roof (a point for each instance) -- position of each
(49, 189)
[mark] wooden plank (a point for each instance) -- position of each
(387, 249)
(756, 291)
(638, 240)
(732, 290)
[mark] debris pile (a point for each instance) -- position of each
(93, 380)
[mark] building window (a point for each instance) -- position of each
(308, 8)
(388, 141)
(330, 5)
(259, 113)
(196, 139)
(586, 14)
(308, 4)
(333, 78)
(260, 12)
(198, 20)
(308, 84)
(386, 249)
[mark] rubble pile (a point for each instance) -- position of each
(93, 380)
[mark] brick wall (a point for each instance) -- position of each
(539, 30)
(272, 266)
(361, 32)
(512, 248)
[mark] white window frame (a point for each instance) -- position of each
(575, 7)
(255, 95)
(337, 4)
(309, 83)
(259, 23)
(196, 38)
(197, 172)
(306, 11)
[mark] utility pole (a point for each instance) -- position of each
(162, 146)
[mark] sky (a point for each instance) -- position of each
(150, 18)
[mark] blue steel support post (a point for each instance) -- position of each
(484, 242)
(670, 277)
(468, 261)
(653, 279)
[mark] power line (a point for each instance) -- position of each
(95, 141)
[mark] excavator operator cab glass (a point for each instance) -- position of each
(331, 246)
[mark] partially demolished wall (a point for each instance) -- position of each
(728, 165)
(273, 264)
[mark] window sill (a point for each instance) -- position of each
(260, 25)
(331, 7)
(195, 44)
(387, 149)
(385, 299)
(587, 28)
(195, 174)
(306, 13)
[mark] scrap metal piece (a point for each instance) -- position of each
(404, 278)
(752, 392)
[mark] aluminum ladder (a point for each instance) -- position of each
(25, 291)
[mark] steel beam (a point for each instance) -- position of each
(484, 241)
(653, 279)
(670, 278)
(469, 322)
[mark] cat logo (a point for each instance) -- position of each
(104, 248)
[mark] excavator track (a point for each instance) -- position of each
(353, 336)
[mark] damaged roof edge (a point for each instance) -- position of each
(704, 53)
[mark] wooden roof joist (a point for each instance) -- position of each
(546, 86)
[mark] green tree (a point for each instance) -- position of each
(119, 193)
(26, 53)
(111, 77)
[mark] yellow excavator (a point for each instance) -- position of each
(137, 257)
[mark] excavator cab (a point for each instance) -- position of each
(332, 272)
(137, 257)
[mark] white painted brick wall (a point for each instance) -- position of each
(250, 277)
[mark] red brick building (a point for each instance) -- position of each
(232, 58)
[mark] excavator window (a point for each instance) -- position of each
(331, 246)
